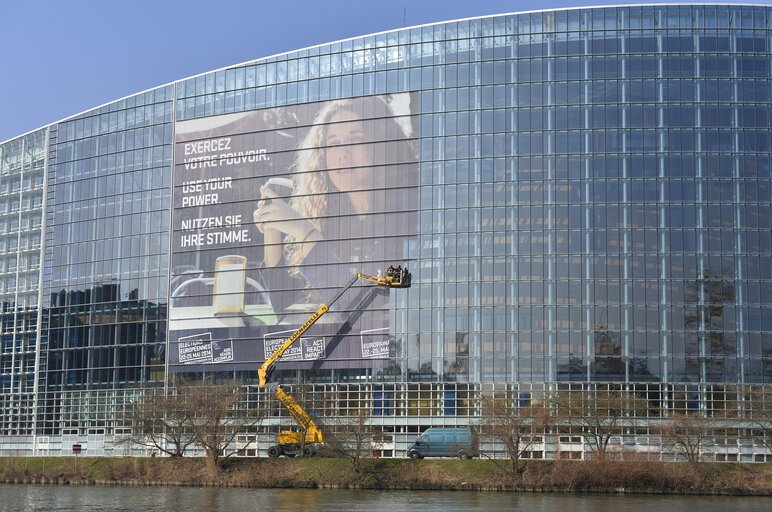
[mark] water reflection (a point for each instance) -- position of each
(33, 498)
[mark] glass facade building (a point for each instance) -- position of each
(583, 196)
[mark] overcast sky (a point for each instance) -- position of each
(61, 57)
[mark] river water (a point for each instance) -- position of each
(32, 498)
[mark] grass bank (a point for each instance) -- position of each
(542, 476)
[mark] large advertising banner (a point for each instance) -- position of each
(275, 211)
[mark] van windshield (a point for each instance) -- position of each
(421, 439)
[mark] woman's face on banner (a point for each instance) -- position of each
(347, 157)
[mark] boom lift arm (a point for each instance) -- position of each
(394, 278)
(289, 442)
(312, 432)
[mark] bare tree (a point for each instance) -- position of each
(159, 422)
(216, 417)
(352, 438)
(686, 434)
(193, 413)
(759, 413)
(599, 413)
(516, 428)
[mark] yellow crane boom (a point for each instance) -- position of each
(394, 278)
(312, 432)
(290, 442)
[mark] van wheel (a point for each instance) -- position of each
(274, 451)
(463, 455)
(415, 455)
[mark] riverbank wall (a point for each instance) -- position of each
(620, 477)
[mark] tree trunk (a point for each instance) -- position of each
(212, 466)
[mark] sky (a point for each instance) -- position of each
(60, 58)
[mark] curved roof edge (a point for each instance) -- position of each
(248, 62)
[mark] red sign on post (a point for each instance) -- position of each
(76, 448)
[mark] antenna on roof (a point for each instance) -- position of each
(404, 17)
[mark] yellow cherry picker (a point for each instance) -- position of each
(290, 442)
